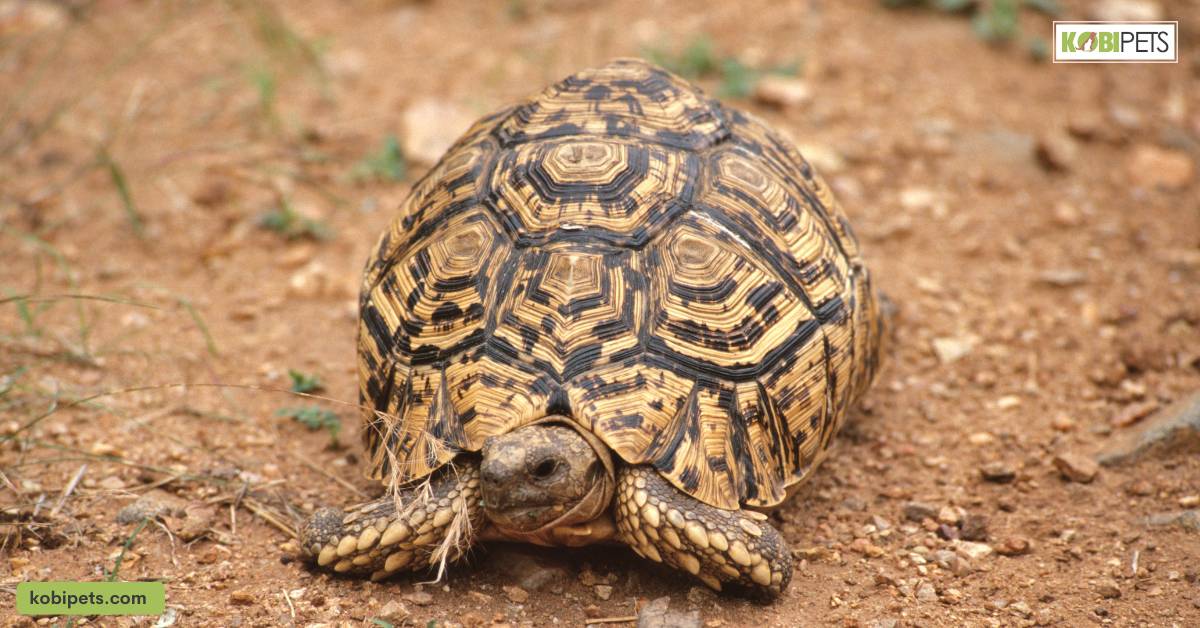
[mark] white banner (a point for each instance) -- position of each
(1116, 42)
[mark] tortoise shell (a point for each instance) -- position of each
(666, 271)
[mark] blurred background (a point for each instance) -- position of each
(188, 191)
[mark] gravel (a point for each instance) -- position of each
(919, 511)
(998, 472)
(1076, 467)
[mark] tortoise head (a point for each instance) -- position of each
(544, 476)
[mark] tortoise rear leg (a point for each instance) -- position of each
(436, 522)
(662, 523)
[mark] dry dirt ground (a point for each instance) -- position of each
(1043, 299)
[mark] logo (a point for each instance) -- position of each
(1116, 42)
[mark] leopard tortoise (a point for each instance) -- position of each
(619, 311)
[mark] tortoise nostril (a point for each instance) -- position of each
(545, 469)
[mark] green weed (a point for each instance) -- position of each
(387, 164)
(303, 382)
(288, 223)
(315, 418)
(998, 22)
(700, 59)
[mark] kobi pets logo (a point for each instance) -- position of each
(1116, 42)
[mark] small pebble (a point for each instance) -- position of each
(1108, 590)
(1014, 546)
(998, 472)
(516, 595)
(1076, 467)
(242, 598)
(918, 511)
(420, 598)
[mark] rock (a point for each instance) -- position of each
(919, 511)
(1189, 501)
(195, 522)
(309, 282)
(420, 598)
(917, 198)
(886, 622)
(1126, 11)
(1172, 430)
(1062, 277)
(242, 598)
(974, 527)
(516, 595)
(603, 591)
(527, 569)
(1056, 151)
(1021, 608)
(212, 192)
(394, 612)
(945, 559)
(952, 348)
(980, 439)
(948, 532)
(926, 593)
(1139, 488)
(658, 614)
(950, 515)
(867, 548)
(1088, 124)
(782, 91)
(152, 505)
(998, 472)
(1014, 546)
(972, 550)
(1062, 423)
(431, 127)
(1133, 413)
(1066, 215)
(1008, 401)
(1186, 519)
(105, 449)
(1149, 166)
(1108, 590)
(1075, 467)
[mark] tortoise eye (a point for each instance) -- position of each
(545, 469)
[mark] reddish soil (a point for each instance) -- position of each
(1073, 286)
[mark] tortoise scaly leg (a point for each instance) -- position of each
(662, 523)
(436, 522)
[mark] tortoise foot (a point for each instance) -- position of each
(720, 547)
(424, 526)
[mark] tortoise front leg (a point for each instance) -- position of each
(662, 523)
(435, 523)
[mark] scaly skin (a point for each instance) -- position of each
(660, 522)
(717, 546)
(373, 539)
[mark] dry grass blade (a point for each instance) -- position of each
(68, 489)
(345, 483)
(275, 518)
(49, 298)
(117, 174)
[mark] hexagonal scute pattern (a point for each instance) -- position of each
(668, 273)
